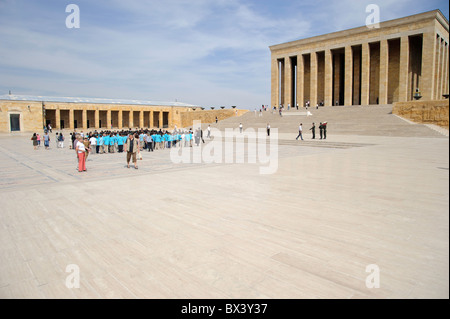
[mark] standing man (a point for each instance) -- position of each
(87, 147)
(132, 146)
(209, 131)
(300, 131)
(149, 143)
(268, 129)
(112, 141)
(106, 139)
(321, 129)
(120, 141)
(240, 128)
(201, 135)
(100, 143)
(324, 130)
(217, 120)
(93, 142)
(313, 130)
(46, 140)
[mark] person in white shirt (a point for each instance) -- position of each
(209, 131)
(240, 127)
(81, 152)
(300, 130)
(93, 142)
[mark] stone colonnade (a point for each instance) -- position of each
(80, 116)
(363, 66)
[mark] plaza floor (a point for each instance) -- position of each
(202, 230)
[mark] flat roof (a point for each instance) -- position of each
(39, 98)
(436, 14)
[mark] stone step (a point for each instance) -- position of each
(367, 120)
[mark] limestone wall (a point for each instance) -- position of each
(426, 112)
(87, 115)
(30, 117)
(187, 118)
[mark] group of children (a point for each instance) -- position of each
(113, 141)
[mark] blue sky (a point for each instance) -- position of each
(203, 52)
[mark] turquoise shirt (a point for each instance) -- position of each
(106, 139)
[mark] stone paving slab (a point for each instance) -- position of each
(224, 230)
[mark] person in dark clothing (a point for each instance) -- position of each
(73, 138)
(321, 130)
(313, 130)
(201, 135)
(324, 125)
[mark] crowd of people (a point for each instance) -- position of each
(135, 141)
(114, 141)
(131, 142)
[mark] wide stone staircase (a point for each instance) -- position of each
(372, 120)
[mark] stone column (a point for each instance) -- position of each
(97, 119)
(71, 119)
(300, 81)
(404, 69)
(274, 84)
(287, 82)
(84, 119)
(437, 73)
(171, 118)
(313, 80)
(151, 119)
(328, 78)
(356, 77)
(141, 118)
(446, 70)
(428, 59)
(161, 124)
(384, 70)
(58, 118)
(442, 73)
(130, 118)
(120, 120)
(108, 119)
(365, 74)
(348, 97)
(337, 77)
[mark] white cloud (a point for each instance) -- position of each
(198, 51)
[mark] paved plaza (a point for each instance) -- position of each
(168, 230)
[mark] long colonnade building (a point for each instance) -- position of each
(364, 66)
(32, 113)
